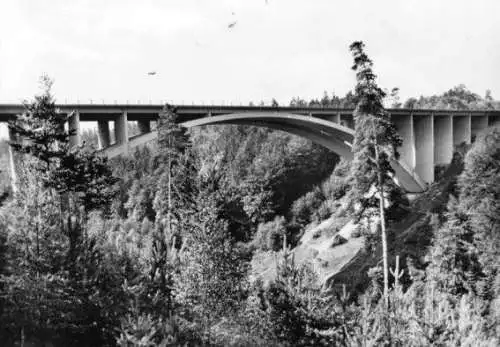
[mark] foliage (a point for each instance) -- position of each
(466, 246)
(305, 207)
(43, 125)
(348, 101)
(270, 235)
(457, 98)
(82, 174)
(211, 282)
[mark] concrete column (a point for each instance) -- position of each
(121, 129)
(494, 121)
(337, 118)
(144, 126)
(12, 163)
(424, 147)
(404, 126)
(347, 120)
(461, 129)
(478, 124)
(103, 133)
(443, 139)
(74, 125)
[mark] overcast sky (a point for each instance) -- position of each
(103, 49)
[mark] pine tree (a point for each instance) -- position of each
(375, 146)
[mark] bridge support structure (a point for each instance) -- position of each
(103, 134)
(121, 129)
(12, 163)
(74, 126)
(144, 126)
(478, 124)
(494, 120)
(443, 139)
(462, 129)
(405, 128)
(424, 147)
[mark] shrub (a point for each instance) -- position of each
(338, 240)
(306, 206)
(269, 236)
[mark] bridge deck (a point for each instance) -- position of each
(94, 112)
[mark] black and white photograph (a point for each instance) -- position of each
(249, 173)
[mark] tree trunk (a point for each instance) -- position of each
(383, 230)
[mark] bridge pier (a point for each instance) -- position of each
(443, 139)
(103, 134)
(494, 121)
(461, 129)
(121, 131)
(404, 126)
(74, 125)
(424, 146)
(12, 163)
(144, 126)
(478, 124)
(347, 120)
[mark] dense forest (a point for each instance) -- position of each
(195, 240)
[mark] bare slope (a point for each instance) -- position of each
(339, 257)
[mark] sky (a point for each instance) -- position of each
(102, 50)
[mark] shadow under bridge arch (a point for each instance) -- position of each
(333, 136)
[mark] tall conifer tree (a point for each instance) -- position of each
(174, 198)
(375, 146)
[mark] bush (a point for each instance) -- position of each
(269, 236)
(356, 233)
(304, 208)
(338, 240)
(337, 185)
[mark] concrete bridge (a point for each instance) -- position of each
(429, 136)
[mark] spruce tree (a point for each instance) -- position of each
(41, 131)
(175, 191)
(375, 146)
(80, 173)
(75, 181)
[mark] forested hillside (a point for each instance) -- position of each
(163, 248)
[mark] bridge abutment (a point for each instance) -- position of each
(424, 146)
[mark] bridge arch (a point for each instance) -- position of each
(331, 135)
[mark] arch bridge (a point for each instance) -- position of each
(429, 136)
